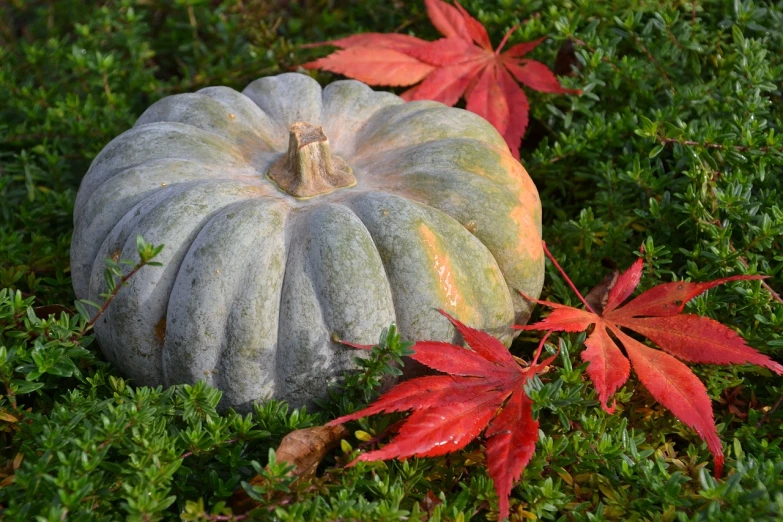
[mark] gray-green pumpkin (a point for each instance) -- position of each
(281, 237)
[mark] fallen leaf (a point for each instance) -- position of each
(304, 449)
(656, 314)
(463, 64)
(483, 391)
(307, 447)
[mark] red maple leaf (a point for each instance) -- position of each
(683, 337)
(484, 388)
(463, 64)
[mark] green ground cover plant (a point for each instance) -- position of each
(674, 145)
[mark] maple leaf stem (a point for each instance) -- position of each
(568, 280)
(366, 347)
(532, 299)
(505, 38)
(540, 348)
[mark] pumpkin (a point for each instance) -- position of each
(293, 217)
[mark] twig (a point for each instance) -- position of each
(718, 146)
(674, 39)
(653, 60)
(217, 518)
(190, 453)
(773, 293)
(770, 412)
(408, 23)
(550, 161)
(107, 89)
(604, 58)
(110, 439)
(114, 293)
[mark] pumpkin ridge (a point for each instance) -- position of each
(93, 244)
(178, 107)
(82, 201)
(343, 206)
(235, 150)
(83, 197)
(210, 92)
(456, 123)
(346, 205)
(271, 90)
(293, 266)
(347, 102)
(101, 165)
(484, 302)
(232, 300)
(291, 225)
(148, 311)
(190, 126)
(363, 141)
(432, 196)
(389, 160)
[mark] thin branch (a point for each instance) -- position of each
(717, 146)
(550, 161)
(653, 60)
(770, 411)
(114, 293)
(111, 438)
(674, 40)
(217, 518)
(408, 23)
(190, 453)
(604, 58)
(773, 293)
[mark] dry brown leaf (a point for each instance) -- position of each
(304, 449)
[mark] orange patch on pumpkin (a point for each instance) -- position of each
(452, 298)
(527, 193)
(528, 245)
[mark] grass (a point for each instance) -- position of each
(674, 145)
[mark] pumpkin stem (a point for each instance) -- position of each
(309, 169)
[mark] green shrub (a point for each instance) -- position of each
(674, 144)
